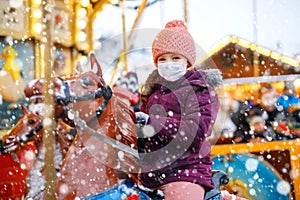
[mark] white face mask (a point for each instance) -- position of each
(172, 71)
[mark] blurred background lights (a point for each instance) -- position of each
(82, 36)
(16, 3)
(114, 2)
(81, 23)
(37, 2)
(37, 14)
(37, 27)
(82, 12)
(85, 3)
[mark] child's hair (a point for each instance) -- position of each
(152, 83)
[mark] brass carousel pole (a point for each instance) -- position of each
(136, 21)
(123, 56)
(124, 52)
(185, 11)
(48, 112)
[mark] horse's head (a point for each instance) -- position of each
(28, 128)
(77, 92)
(84, 92)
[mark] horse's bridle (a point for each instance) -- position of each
(31, 133)
(24, 139)
(105, 92)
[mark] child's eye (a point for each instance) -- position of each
(162, 59)
(176, 58)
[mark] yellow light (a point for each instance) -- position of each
(253, 47)
(81, 36)
(37, 2)
(289, 61)
(263, 51)
(37, 14)
(234, 39)
(37, 27)
(82, 12)
(114, 1)
(81, 23)
(85, 3)
(244, 43)
(275, 56)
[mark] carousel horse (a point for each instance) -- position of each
(92, 165)
(29, 130)
(101, 162)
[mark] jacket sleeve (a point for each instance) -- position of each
(199, 110)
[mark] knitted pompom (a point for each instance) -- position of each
(176, 24)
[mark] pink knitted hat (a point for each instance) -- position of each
(175, 38)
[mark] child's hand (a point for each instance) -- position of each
(141, 118)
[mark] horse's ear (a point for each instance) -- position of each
(78, 68)
(93, 62)
(24, 109)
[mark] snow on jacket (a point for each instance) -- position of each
(182, 114)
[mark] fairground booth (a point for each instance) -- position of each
(257, 170)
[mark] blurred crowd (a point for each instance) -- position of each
(270, 116)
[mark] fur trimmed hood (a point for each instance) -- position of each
(213, 77)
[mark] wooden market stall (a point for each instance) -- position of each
(256, 170)
(238, 58)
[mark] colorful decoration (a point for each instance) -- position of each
(9, 54)
(11, 83)
(252, 178)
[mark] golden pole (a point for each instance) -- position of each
(136, 21)
(123, 56)
(124, 52)
(48, 112)
(185, 12)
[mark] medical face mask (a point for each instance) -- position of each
(172, 71)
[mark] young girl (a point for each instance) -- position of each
(180, 107)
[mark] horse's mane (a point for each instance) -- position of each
(124, 117)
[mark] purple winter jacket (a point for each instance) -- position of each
(173, 147)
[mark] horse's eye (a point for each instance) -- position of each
(31, 121)
(86, 81)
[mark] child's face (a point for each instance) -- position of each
(171, 57)
(257, 126)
